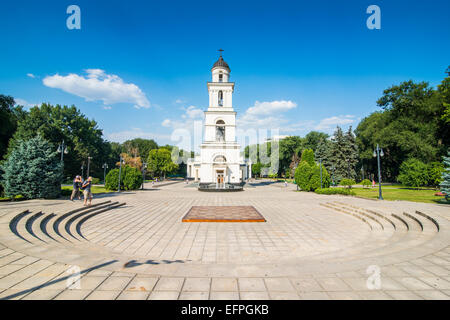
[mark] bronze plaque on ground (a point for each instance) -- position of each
(223, 214)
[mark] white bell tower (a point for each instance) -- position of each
(220, 153)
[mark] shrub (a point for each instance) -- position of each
(308, 156)
(315, 178)
(130, 179)
(366, 183)
(112, 180)
(413, 173)
(33, 170)
(303, 175)
(347, 183)
(330, 191)
(95, 181)
(434, 173)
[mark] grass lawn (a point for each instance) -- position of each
(94, 189)
(401, 193)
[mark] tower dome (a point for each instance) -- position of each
(221, 64)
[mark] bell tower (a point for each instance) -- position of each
(220, 88)
(220, 162)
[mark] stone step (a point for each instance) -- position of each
(414, 237)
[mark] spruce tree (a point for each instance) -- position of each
(33, 170)
(445, 184)
(338, 158)
(323, 153)
(351, 153)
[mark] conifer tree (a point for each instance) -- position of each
(351, 152)
(337, 156)
(323, 153)
(33, 170)
(445, 184)
(308, 156)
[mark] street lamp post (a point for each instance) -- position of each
(332, 174)
(104, 166)
(62, 148)
(82, 170)
(89, 162)
(144, 166)
(320, 166)
(378, 152)
(120, 172)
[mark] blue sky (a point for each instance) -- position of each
(140, 68)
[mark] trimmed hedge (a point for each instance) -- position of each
(307, 177)
(329, 191)
(303, 175)
(130, 179)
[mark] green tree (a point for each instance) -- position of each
(444, 91)
(308, 156)
(9, 116)
(303, 175)
(313, 139)
(143, 146)
(351, 153)
(323, 152)
(132, 178)
(160, 162)
(287, 148)
(338, 156)
(411, 125)
(445, 184)
(81, 135)
(434, 173)
(348, 183)
(256, 169)
(413, 173)
(33, 170)
(315, 178)
(366, 183)
(112, 180)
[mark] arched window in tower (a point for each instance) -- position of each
(220, 98)
(221, 77)
(220, 131)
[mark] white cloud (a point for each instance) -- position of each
(107, 108)
(97, 85)
(266, 115)
(22, 102)
(192, 112)
(166, 123)
(332, 122)
(30, 75)
(123, 136)
(269, 108)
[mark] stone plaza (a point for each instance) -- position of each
(134, 245)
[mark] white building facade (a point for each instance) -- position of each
(220, 161)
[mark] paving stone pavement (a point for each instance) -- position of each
(310, 247)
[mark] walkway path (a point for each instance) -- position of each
(311, 247)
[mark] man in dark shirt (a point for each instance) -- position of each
(87, 191)
(76, 188)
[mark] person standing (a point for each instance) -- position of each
(86, 187)
(76, 188)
